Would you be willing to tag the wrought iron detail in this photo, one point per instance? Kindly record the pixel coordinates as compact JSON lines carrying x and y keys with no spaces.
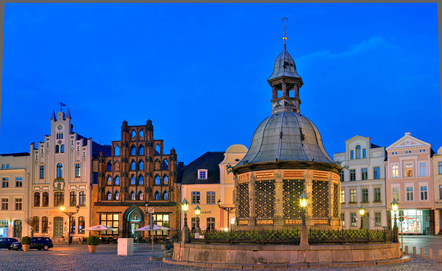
{"x":320,"y":199}
{"x":292,"y":190}
{"x":336,"y":204}
{"x":265,"y":199}
{"x":243,"y":200}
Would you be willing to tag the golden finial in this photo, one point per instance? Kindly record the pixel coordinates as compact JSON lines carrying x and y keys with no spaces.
{"x":284,"y":32}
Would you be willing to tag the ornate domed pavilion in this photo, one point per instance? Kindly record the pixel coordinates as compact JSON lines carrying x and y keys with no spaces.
{"x":286,"y":157}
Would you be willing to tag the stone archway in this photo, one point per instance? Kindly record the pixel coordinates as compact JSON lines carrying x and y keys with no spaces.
{"x":133,"y":218}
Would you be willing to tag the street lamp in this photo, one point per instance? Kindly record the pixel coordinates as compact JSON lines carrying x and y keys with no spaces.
{"x":303,"y":203}
{"x":395,"y":206}
{"x":227,"y":209}
{"x":362,"y":213}
{"x":197,"y":213}
{"x":185,"y":208}
{"x":69,"y":214}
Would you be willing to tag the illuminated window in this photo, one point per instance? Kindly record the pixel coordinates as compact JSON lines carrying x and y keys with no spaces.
{"x":395,"y":171}
{"x":111,"y":221}
{"x":352,"y":195}
{"x":342,"y":196}
{"x":409,"y":170}
{"x":81,"y":224}
{"x":396,"y":193}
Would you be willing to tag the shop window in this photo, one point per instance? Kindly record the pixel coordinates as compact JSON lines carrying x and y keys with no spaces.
{"x":72,"y":225}
{"x":111,"y":221}
{"x":161,"y":220}
{"x":81,"y":224}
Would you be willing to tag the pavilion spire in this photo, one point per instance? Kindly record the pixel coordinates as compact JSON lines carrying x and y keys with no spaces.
{"x":284,"y":32}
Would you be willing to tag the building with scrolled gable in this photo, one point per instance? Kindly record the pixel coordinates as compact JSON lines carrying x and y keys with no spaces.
{"x":286,"y":157}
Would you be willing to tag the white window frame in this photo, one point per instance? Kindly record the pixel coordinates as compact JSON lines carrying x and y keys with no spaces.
{"x":399,"y":192}
{"x":424,"y":168}
{"x":205,"y":171}
{"x":406,"y":192}
{"x":393,"y":170}
{"x":420,"y":191}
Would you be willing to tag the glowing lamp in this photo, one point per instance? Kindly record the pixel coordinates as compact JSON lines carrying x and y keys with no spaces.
{"x":361,"y":211}
{"x":395,"y":205}
{"x":303,"y":200}
{"x":62,"y":208}
{"x":197,"y":210}
{"x":185,"y":205}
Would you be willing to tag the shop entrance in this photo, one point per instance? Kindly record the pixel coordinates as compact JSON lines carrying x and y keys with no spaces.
{"x":58,"y":227}
{"x":132,"y":220}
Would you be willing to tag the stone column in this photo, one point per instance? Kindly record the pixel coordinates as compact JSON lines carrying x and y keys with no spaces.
{"x":309,"y":192}
{"x":279,"y":220}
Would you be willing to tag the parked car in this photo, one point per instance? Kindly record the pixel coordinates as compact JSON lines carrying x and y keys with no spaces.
{"x":37,"y":242}
{"x":6,"y":242}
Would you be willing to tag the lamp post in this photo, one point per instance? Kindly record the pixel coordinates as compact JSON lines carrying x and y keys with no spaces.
{"x":185,"y":233}
{"x":303,"y":203}
{"x":69,"y":214}
{"x":227,"y":209}
{"x":361,"y":213}
{"x":394,"y":207}
{"x":197,"y":213}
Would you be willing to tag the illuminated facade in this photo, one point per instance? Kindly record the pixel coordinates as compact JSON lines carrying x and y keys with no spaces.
{"x":362,"y":184}
{"x":437,"y":176}
{"x":206,"y":181}
{"x":61,"y":176}
{"x":286,"y":157}
{"x":14,"y":195}
{"x":410,"y":182}
{"x":137,"y":176}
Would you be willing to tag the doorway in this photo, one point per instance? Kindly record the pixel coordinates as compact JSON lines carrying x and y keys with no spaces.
{"x":17,"y":228}
{"x":58,"y":227}
{"x":133,"y":219}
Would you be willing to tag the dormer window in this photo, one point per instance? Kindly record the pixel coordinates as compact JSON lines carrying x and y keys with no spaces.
{"x":202,"y":174}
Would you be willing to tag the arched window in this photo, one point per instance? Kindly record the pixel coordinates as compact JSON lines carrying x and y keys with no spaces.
{"x":141,"y":151}
{"x":45,"y":199}
{"x":157,"y":149}
{"x":165,"y":195}
{"x":72,"y":225}
{"x":81,"y":224}
{"x":141,"y":133}
{"x":133,"y":166}
{"x":133,"y":133}
{"x":141,"y":180}
{"x":132,"y":195}
{"x":109,"y":180}
{"x":57,"y":148}
{"x":62,"y":148}
{"x":37,"y":199}
{"x":165,"y":164}
{"x":140,"y":195}
{"x":109,"y":195}
{"x":117,"y":151}
{"x":133,"y":150}
{"x":109,"y":166}
{"x":358,"y":152}
{"x":132,"y":180}
{"x":117,"y":180}
{"x":157,"y":180}
{"x":59,"y":170}
{"x":141,"y":165}
{"x":117,"y":195}
{"x":166,"y":180}
{"x":157,"y":195}
{"x":36,"y":223}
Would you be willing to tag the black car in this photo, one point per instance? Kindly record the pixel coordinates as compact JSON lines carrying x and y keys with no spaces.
{"x":6,"y":242}
{"x":37,"y":242}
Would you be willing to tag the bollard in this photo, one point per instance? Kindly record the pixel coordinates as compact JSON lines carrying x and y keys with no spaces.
{"x":440,"y":255}
{"x":406,"y":250}
{"x":414,"y":251}
{"x":430,"y":253}
{"x":422,"y":253}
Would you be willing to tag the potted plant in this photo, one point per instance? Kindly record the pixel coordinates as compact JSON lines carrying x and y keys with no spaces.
{"x":26,"y":243}
{"x":92,"y":242}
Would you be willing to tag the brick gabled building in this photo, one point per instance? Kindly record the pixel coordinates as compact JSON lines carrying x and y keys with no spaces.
{"x":136,"y":176}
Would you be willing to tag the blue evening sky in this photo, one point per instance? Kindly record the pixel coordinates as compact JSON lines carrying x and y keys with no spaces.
{"x":199,"y":71}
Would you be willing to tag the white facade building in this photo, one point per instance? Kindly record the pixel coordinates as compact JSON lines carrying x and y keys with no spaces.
{"x":14,"y":195}
{"x":362,"y":184}
{"x":61,"y":176}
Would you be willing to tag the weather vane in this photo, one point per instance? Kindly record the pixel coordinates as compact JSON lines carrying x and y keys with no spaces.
{"x":284,"y":32}
{"x":61,"y":105}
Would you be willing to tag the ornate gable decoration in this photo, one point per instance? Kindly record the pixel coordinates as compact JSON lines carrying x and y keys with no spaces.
{"x":59,"y":184}
{"x":408,"y":141}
